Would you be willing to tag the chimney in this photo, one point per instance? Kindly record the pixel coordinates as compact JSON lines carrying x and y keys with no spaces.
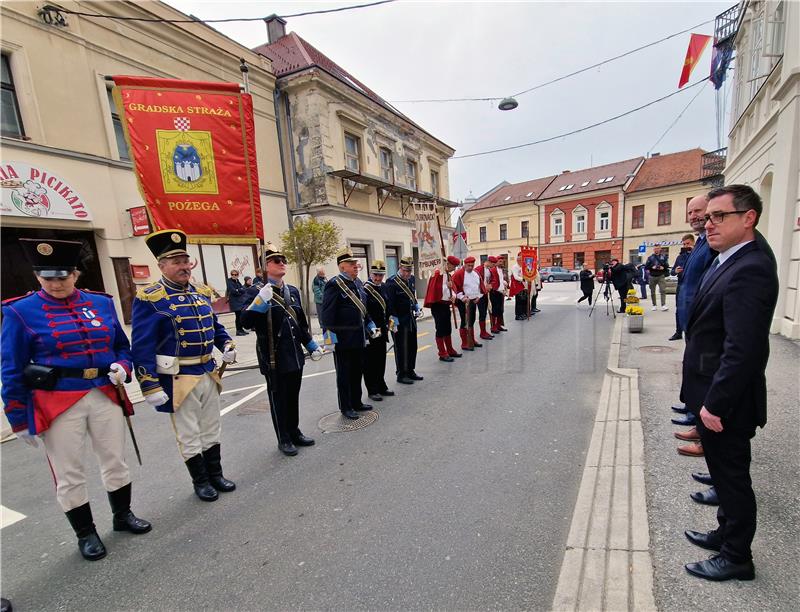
{"x":655,"y":154}
{"x":276,"y":28}
{"x":565,"y":172}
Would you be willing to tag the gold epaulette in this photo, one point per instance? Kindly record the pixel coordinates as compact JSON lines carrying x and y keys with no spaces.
{"x":204,"y":290}
{"x":152,"y":292}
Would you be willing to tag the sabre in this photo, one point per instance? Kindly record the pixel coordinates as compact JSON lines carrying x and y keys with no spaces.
{"x":123,"y":397}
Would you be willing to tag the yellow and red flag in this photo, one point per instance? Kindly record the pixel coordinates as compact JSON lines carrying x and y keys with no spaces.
{"x":193,"y":149}
{"x":697,"y":44}
{"x":530,"y":262}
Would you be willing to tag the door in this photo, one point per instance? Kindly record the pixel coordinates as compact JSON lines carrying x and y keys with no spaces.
{"x":125,"y":286}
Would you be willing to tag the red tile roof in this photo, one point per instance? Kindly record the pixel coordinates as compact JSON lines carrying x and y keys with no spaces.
{"x":583,"y":181}
{"x":511,"y":194}
{"x":670,"y":169}
{"x":291,"y":53}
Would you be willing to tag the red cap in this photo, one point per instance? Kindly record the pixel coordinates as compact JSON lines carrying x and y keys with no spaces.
{"x":452,"y":259}
{"x":469,"y":259}
{"x":492,"y":259}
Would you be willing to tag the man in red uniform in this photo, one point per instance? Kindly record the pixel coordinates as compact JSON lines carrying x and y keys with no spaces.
{"x":439,"y":298}
{"x":497,"y":283}
{"x":468,"y":286}
{"x":484,"y":271}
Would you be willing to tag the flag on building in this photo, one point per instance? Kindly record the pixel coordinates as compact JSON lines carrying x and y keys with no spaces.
{"x":429,"y":243}
{"x":720,"y":60}
{"x":193,"y":150}
{"x":697,"y":44}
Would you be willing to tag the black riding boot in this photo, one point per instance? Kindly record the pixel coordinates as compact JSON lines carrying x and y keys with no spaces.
{"x":214,"y":469}
{"x":124,"y":519}
{"x":88,"y":541}
{"x":202,"y":487}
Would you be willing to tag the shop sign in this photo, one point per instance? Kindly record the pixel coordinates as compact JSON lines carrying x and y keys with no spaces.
{"x":139,"y":221}
{"x":31,"y":191}
{"x":140,"y":271}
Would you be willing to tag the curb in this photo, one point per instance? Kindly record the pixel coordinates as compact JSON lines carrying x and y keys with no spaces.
{"x":607,"y":563}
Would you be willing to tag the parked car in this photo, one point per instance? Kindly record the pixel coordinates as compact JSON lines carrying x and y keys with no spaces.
{"x":672,"y":284}
{"x":555,"y":273}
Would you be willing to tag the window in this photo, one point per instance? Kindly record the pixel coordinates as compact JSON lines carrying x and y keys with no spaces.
{"x":557,"y":260}
{"x":687,"y":209}
{"x":637,"y":217}
{"x":566,"y":187}
{"x":584,"y":183}
{"x":387,"y":166}
{"x":523,"y":230}
{"x":665,"y":213}
{"x":558,"y":226}
{"x":601,"y":258}
{"x":482,"y":234}
{"x":361,"y":253}
{"x":504,"y":231}
{"x":484,"y":258}
{"x":119,"y":132}
{"x":506,"y":199}
{"x":411,"y":175}
{"x":578,"y":259}
{"x":392,"y":260}
{"x":605,"y":221}
{"x":434,"y":182}
{"x":605,"y":180}
{"x":580,"y":223}
{"x":352,"y":152}
{"x":12,"y":120}
{"x":634,"y":257}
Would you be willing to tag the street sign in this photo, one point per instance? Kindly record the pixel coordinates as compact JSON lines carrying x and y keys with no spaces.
{"x":643,"y":248}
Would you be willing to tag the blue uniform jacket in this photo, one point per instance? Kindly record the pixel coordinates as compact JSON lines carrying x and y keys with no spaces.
{"x":378,"y":312}
{"x":400,"y":305}
{"x":79,"y":332}
{"x":340,"y":315}
{"x":169,"y":319}
{"x":699,"y":259}
{"x":289,"y":334}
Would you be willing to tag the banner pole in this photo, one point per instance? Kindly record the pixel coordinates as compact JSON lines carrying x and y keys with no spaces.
{"x":445,"y":274}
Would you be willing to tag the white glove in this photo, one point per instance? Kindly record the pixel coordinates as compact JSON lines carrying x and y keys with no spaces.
{"x":28,"y":438}
{"x":418,"y":313}
{"x":157,"y":399}
{"x":116,"y":374}
{"x":317,"y":354}
{"x":265,"y":293}
{"x":375,"y":332}
{"x":229,"y":355}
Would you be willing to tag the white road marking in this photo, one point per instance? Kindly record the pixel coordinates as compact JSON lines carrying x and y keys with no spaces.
{"x":246,"y":398}
{"x":562,"y":298}
{"x":242,"y":389}
{"x":319,"y":373}
{"x":9,"y":517}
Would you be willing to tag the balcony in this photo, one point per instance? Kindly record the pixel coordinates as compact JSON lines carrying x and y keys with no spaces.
{"x":713,"y":167}
{"x":726,"y":25}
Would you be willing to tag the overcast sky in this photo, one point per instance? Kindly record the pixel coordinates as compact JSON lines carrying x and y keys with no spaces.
{"x":413,"y":49}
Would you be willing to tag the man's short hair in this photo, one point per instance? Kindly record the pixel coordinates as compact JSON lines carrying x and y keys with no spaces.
{"x":744,"y":198}
{"x":688,"y":237}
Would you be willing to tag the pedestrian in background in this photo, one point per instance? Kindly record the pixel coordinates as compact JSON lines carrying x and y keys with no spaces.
{"x":587,"y":284}
{"x":536,"y":287}
{"x":687,"y":244}
{"x":642,"y":279}
{"x":318,"y":287}
{"x":658,"y":267}
{"x":236,"y":297}
{"x":621,"y":275}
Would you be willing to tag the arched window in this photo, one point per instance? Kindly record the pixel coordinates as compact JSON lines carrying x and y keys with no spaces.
{"x":557,"y":225}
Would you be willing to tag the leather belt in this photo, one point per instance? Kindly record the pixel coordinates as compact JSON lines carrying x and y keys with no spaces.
{"x":195,"y":360}
{"x":86,"y":374}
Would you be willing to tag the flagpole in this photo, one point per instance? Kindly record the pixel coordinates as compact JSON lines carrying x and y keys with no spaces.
{"x":444,"y":260}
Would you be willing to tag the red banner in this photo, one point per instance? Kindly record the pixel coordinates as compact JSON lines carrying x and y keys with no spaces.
{"x":697,"y":44}
{"x":530,"y":262}
{"x":194,"y":153}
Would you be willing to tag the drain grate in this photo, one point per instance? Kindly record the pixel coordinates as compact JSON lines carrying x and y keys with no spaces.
{"x":657,"y":349}
{"x":336,"y":422}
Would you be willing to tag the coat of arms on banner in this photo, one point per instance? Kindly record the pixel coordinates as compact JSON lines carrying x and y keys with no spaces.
{"x":529,"y":262}
{"x":186,"y":159}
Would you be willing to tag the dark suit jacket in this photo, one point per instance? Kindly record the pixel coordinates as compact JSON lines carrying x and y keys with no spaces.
{"x":377,"y":313}
{"x":340,"y":315}
{"x":727,"y":340}
{"x":400,"y":305}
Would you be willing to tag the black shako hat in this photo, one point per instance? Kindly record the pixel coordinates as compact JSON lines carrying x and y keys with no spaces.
{"x":52,"y":258}
{"x":167,"y":243}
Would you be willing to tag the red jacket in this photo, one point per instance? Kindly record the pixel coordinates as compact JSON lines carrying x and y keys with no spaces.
{"x":458,"y":280}
{"x":434,"y":293}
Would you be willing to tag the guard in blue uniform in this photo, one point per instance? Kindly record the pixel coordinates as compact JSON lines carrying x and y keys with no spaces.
{"x":401,"y":298}
{"x":375,"y":353}
{"x":64,"y":353}
{"x":174,"y":332}
{"x":276,"y":313}
{"x":347,"y":324}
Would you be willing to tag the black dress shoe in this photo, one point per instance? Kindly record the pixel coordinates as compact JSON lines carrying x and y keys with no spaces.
{"x":387,"y":393}
{"x":91,"y":547}
{"x":477,"y":345}
{"x":708,"y":497}
{"x":242,"y":333}
{"x":719,"y":568}
{"x":405,"y":381}
{"x":680,"y":408}
{"x":5,"y":605}
{"x":302,"y":440}
{"x":350,"y":414}
{"x":130,"y":522}
{"x":376,"y":397}
{"x":415,"y":376}
{"x":689,"y":419}
{"x":536,"y":310}
{"x":709,"y":541}
{"x":703,"y":478}
{"x":363,"y":408}
{"x":288,"y":448}
{"x":676,"y":336}
{"x":446,"y":358}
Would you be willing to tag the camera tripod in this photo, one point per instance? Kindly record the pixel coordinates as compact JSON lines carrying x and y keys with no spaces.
{"x":608,"y":294}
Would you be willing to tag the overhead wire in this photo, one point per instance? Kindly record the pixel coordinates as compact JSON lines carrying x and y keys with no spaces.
{"x":557,"y":79}
{"x":583,"y":129}
{"x":678,"y":118}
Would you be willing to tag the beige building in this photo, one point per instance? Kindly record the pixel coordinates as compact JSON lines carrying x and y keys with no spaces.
{"x":60,"y":127}
{"x":350,"y":156}
{"x":763,"y":147}
{"x":655,"y":203}
{"x":505,"y":219}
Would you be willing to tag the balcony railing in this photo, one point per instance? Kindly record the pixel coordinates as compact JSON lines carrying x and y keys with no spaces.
{"x":713,"y":167}
{"x":725,"y":24}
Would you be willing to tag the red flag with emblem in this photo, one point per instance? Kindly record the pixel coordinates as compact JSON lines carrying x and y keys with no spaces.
{"x":193,"y":149}
{"x":697,"y":44}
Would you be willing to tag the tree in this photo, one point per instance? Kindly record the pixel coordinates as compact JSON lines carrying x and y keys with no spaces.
{"x":310,"y":242}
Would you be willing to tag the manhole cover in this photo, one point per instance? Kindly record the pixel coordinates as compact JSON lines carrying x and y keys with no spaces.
{"x":336,"y":422}
{"x":657,"y":349}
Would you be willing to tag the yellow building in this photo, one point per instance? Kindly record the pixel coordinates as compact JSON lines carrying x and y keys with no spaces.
{"x":504,"y":219}
{"x":350,"y":156}
{"x":60,"y":121}
{"x":655,"y":203}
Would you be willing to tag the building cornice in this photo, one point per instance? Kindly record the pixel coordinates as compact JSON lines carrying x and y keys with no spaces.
{"x":338,"y":210}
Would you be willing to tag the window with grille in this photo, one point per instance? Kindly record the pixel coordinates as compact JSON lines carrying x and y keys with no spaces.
{"x":665,"y":213}
{"x":11,"y":118}
{"x":637,"y":217}
{"x":352,"y":152}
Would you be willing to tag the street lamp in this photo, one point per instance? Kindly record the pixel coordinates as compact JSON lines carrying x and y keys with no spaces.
{"x":507,"y":104}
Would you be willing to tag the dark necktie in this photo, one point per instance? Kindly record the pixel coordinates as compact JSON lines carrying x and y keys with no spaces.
{"x":710,"y":273}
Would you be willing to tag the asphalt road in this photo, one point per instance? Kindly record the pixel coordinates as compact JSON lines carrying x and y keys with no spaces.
{"x":458,"y":497}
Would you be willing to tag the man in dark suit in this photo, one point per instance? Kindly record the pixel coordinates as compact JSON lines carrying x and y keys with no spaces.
{"x":401,"y":299}
{"x":348,"y":325}
{"x":727,"y":350}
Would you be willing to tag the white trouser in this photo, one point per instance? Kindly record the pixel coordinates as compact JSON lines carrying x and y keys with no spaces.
{"x":197,"y":421}
{"x":96,"y":415}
